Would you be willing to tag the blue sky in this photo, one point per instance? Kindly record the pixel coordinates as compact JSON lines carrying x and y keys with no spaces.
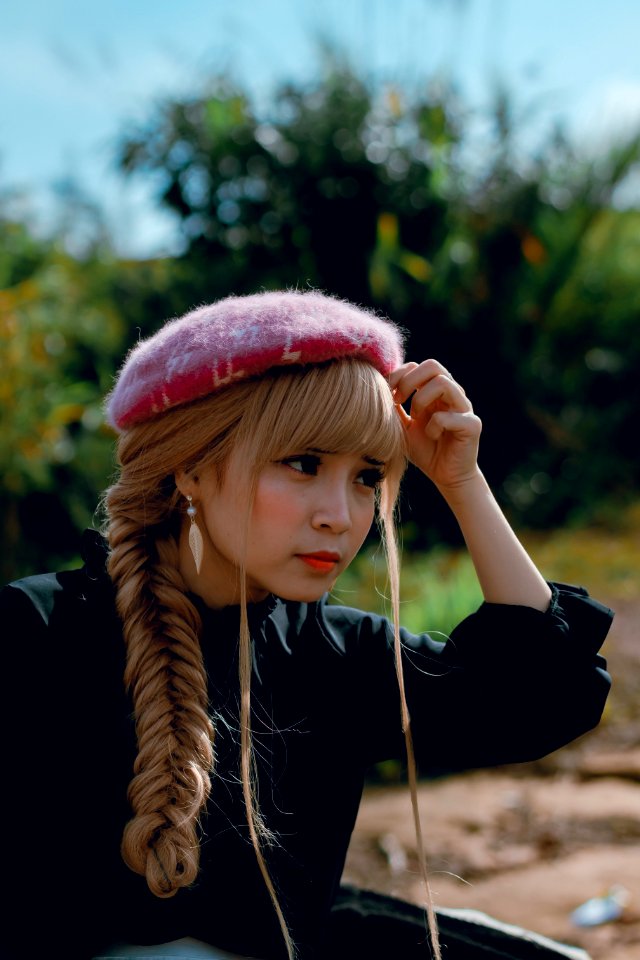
{"x":72,"y":72}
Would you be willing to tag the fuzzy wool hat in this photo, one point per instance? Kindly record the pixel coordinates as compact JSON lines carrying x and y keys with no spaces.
{"x":239,"y":337}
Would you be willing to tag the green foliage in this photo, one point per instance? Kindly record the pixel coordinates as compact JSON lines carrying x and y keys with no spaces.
{"x":20,"y":253}
{"x":291,"y":199}
{"x":439,"y":589}
{"x":63,"y":333}
{"x":602,"y":556}
{"x":520,"y":276}
{"x":57,"y":340}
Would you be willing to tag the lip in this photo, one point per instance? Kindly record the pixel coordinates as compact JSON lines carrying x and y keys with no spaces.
{"x":322,"y":560}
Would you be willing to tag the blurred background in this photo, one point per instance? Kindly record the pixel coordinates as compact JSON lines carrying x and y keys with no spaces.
{"x":470,"y":168}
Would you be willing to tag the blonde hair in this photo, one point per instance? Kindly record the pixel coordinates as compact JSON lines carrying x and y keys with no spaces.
{"x":341,"y":406}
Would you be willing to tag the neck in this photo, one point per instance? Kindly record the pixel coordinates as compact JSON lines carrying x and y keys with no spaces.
{"x":217,"y":584}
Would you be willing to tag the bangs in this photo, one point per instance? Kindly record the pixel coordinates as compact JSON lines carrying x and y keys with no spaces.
{"x":341,"y":407}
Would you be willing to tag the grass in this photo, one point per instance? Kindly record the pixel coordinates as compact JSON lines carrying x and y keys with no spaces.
{"x":439,"y":588}
{"x":604,"y":559}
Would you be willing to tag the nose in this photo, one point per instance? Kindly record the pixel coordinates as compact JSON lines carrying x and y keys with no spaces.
{"x":332,"y":510}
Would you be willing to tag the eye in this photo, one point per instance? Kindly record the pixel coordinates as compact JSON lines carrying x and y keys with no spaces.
{"x":371,"y":477}
{"x":306,"y":464}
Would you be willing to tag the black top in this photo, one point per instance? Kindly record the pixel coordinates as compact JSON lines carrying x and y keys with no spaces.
{"x":511,"y":684}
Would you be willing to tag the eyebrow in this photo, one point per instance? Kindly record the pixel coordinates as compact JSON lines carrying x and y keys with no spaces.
{"x":371,"y":460}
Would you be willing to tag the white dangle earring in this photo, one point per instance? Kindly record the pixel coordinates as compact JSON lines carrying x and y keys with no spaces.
{"x":195,"y":537}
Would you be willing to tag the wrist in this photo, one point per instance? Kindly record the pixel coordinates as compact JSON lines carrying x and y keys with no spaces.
{"x":465,"y":490}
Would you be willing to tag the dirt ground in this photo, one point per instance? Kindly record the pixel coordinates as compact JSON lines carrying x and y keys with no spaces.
{"x":528,"y":843}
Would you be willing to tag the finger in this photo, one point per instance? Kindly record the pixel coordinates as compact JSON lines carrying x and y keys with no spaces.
{"x":466,"y":426}
{"x":440,"y":390}
{"x":401,"y":371}
{"x":414,"y":375}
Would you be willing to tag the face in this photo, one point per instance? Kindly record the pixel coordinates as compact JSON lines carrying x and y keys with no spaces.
{"x":310,"y":516}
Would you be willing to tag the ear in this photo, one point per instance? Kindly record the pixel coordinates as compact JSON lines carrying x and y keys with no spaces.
{"x":187,"y":483}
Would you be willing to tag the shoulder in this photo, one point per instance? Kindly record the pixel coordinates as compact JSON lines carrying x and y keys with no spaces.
{"x":44,"y":600}
{"x":343,"y":630}
{"x":347,"y":631}
{"x":61,"y":630}
{"x":356,"y":630}
{"x":37,"y":593}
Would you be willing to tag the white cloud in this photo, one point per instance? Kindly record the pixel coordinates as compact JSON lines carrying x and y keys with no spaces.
{"x":608,"y":113}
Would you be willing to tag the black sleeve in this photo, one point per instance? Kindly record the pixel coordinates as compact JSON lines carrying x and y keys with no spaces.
{"x":54,"y":831}
{"x":33,"y":842}
{"x":510,"y":685}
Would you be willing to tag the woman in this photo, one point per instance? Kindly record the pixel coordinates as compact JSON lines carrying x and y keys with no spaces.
{"x":207,"y":801}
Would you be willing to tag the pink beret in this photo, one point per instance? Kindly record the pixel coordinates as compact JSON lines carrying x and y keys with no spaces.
{"x":239,"y":337}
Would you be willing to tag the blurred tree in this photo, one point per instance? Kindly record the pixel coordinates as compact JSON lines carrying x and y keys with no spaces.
{"x":384,"y":197}
{"x":292,"y":200}
{"x":341,"y":188}
{"x":519,"y":275}
{"x":549,"y":279}
{"x":62,"y":334}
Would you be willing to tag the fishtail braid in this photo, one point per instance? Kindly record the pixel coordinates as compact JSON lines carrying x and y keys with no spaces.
{"x":167,"y":681}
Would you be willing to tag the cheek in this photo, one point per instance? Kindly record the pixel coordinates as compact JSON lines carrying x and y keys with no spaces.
{"x":365,"y":517}
{"x":224,"y":515}
{"x":276,"y":505}
{"x":364,"y":504}
{"x":223,"y":529}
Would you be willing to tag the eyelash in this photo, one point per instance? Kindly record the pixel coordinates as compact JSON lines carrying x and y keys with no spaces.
{"x":308,"y":462}
{"x":371,"y":476}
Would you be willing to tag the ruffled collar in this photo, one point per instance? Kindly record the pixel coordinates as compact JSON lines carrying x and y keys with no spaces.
{"x":257,"y":612}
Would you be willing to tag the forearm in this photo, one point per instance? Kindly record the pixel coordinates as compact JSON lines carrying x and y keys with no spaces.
{"x":442,"y":434}
{"x":505,"y":571}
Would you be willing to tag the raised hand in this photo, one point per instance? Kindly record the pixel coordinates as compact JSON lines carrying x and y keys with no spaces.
{"x":442,"y":430}
{"x":443,"y":434}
